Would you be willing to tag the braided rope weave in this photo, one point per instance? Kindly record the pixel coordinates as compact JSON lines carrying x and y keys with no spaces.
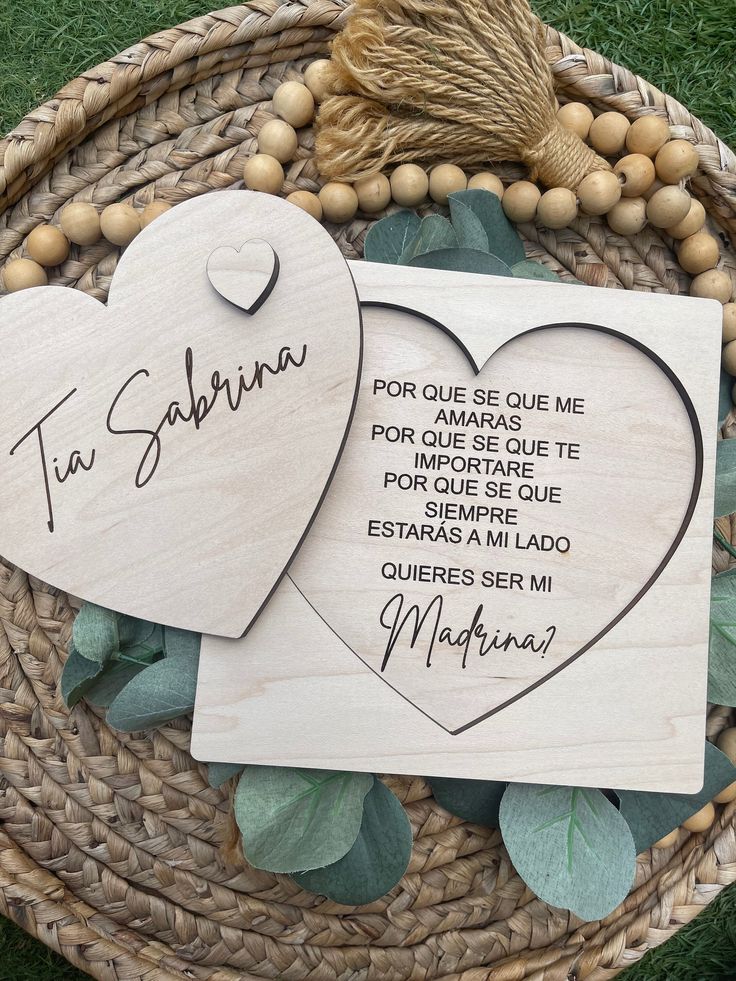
{"x":110,"y":843}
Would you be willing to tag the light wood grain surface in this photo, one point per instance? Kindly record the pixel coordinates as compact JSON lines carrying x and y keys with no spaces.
{"x":183,"y":517}
{"x":331,"y":657}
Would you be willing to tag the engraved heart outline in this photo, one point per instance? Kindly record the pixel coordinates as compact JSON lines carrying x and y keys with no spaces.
{"x":227,"y":268}
{"x":664,"y":562}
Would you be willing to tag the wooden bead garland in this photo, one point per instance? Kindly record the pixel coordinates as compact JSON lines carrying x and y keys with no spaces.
{"x":608,"y":133}
{"x":520,"y":201}
{"x":339,"y":202}
{"x":636,"y":173}
{"x":667,"y":206}
{"x":557,"y":207}
{"x":486,"y":181}
{"x":23,"y":274}
{"x":698,"y":252}
{"x":80,"y":224}
{"x":48,"y":245}
{"x":645,"y":186}
{"x":278,"y":139}
{"x":294,"y":103}
{"x":120,"y":224}
{"x":445,"y":179}
{"x":262,"y":172}
{"x":647,"y":134}
{"x":409,"y":185}
{"x":307,"y":202}
{"x":374,"y":193}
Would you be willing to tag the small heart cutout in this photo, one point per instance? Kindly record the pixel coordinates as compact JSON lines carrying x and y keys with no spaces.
{"x":244,"y":276}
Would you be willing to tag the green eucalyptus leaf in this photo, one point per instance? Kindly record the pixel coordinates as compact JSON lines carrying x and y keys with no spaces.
{"x":182,"y":644}
{"x":473,"y":800}
{"x":725,"y":401}
{"x":219,"y":773}
{"x":95,"y":633}
{"x":163,"y":691}
{"x":722,"y":654}
{"x":435,"y":232}
{"x":528,"y":269}
{"x":725,"y":502}
{"x":135,"y":633}
{"x":503,"y":240}
{"x":570,"y":846}
{"x":111,"y":682}
{"x":651,"y":816}
{"x":77,"y":676}
{"x":468,"y":227}
{"x":298,"y":820}
{"x":462,"y":260}
{"x":377,"y":859}
{"x":388,"y":238}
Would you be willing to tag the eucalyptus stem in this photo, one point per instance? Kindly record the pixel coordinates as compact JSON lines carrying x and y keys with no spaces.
{"x":130,"y":660}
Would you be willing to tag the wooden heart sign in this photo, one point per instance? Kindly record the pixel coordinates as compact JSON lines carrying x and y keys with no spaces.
{"x":165,"y":454}
{"x":513,"y":552}
{"x":464,"y":548}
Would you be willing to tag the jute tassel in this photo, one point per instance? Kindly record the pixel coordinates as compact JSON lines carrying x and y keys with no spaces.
{"x":465,"y":81}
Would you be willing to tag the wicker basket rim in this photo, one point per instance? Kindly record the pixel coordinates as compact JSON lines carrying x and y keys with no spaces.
{"x":70,"y":867}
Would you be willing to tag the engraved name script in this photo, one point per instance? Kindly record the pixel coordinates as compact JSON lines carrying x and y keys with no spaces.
{"x":193,"y":409}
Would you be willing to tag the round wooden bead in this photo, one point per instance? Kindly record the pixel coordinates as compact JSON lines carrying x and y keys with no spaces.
{"x":374,"y":193}
{"x":120,"y":224}
{"x":339,"y":202}
{"x":294,"y":103}
{"x":675,"y":161}
{"x":557,"y":207}
{"x":636,"y":174}
{"x":317,"y":78}
{"x":520,"y":201}
{"x":713,"y":284}
{"x":669,"y":840}
{"x":80,"y":223}
{"x":409,"y":185}
{"x":628,"y":216}
{"x":153,"y":211}
{"x":647,"y":134}
{"x":262,"y":172}
{"x":667,"y":206}
{"x":729,"y":322}
{"x":702,"y":819}
{"x":445,"y":179}
{"x":728,"y":360}
{"x":307,"y":202}
{"x":726,"y":742}
{"x":608,"y":133}
{"x":698,"y":252}
{"x":22,"y":274}
{"x":577,"y":117}
{"x":485,"y":181}
{"x":655,"y":186}
{"x":278,"y":139}
{"x":726,"y":795}
{"x":599,"y":191}
{"x":48,"y":245}
{"x":691,"y":223}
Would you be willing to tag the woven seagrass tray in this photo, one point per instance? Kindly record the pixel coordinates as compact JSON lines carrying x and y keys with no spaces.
{"x":110,"y":844}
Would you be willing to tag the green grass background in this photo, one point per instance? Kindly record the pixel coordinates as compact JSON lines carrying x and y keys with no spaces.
{"x":686,"y":47}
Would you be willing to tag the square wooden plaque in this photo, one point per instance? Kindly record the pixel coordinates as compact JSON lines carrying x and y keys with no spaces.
{"x":509,"y":577}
